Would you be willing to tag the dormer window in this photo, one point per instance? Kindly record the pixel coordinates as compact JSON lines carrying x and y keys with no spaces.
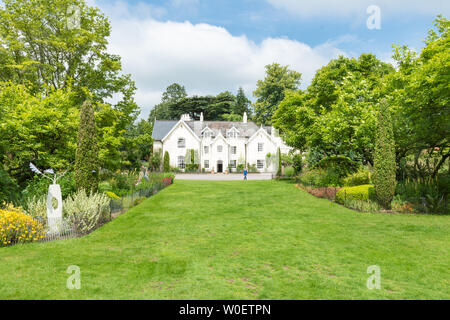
{"x":207,"y":133}
{"x":233,"y":133}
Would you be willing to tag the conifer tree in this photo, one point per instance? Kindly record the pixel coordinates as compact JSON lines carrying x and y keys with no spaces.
{"x":384,"y":176}
{"x":86,"y":158}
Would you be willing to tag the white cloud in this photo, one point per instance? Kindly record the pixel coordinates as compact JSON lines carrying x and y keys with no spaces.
{"x":206,"y":59}
{"x":180,"y":3}
{"x":347,"y":8}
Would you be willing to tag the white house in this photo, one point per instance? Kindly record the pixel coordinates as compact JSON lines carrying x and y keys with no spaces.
{"x":218,"y":145}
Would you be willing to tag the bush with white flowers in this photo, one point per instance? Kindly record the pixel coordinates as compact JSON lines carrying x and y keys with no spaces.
{"x":85,"y":210}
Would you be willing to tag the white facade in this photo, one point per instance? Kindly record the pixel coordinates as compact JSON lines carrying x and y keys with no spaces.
{"x":218,"y":146}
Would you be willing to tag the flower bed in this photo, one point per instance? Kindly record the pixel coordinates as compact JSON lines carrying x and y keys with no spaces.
{"x":17,"y":227}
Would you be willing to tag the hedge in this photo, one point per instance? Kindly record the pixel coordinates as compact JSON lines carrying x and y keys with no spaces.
{"x":364,"y":192}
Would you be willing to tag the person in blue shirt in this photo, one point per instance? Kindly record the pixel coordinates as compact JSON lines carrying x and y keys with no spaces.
{"x":245,"y":174}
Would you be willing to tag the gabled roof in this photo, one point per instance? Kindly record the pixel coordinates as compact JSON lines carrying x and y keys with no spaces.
{"x":162,"y":128}
{"x":263,"y":131}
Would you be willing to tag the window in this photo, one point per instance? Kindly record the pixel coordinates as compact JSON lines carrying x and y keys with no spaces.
{"x":260,"y":164}
{"x":205,"y":149}
{"x":260,"y":147}
{"x":181,"y":162}
{"x":232,"y":133}
{"x":181,"y":143}
{"x":206,"y":164}
{"x":233,"y":164}
{"x":219,"y":148}
{"x":207,"y":134}
{"x":233,"y":150}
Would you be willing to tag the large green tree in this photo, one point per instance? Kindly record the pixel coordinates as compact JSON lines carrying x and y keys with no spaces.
{"x":271,"y":91}
{"x":36,"y":127}
{"x":419,"y":93}
{"x":163,"y":111}
{"x":336,"y":115}
{"x":46,"y":50}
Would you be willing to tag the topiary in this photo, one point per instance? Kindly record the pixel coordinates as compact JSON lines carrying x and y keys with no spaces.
{"x":384,"y":175}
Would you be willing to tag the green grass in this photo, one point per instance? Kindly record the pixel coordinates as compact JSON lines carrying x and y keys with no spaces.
{"x":238,"y":240}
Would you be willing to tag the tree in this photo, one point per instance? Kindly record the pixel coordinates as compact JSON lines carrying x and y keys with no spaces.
{"x":162,"y":111}
{"x":174,"y":93}
{"x":137,"y":145}
{"x":86,"y":159}
{"x":271,"y":91}
{"x":384,"y":175}
{"x":44,"y":45}
{"x":155,"y":161}
{"x":335,"y":115}
{"x":36,"y":128}
{"x":166,"y":162}
{"x":279,"y":170}
{"x":243,"y":104}
{"x":44,"y":50}
{"x":420,"y":98}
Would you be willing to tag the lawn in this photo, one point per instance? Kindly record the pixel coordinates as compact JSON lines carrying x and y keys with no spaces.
{"x":239,"y":240}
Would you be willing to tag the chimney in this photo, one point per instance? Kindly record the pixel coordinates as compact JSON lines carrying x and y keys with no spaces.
{"x":201,"y":117}
{"x":186,"y":117}
{"x":245,"y":117}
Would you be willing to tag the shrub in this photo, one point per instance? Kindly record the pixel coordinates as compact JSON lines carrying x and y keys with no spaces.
{"x":384,"y":175}
{"x":166,"y":162}
{"x":340,"y":165}
{"x":364,"y":192}
{"x":104,"y":187}
{"x":426,"y":195}
{"x":358,"y":178}
{"x":297,"y":163}
{"x":252,"y":168}
{"x":362,"y":205}
{"x":289,"y":172}
{"x":17,"y":227}
{"x":192,"y":167}
{"x":86,"y":211}
{"x":321,"y":178}
{"x":112,"y":195}
{"x":37,"y":207}
{"x":155,"y":161}
{"x":8,"y":188}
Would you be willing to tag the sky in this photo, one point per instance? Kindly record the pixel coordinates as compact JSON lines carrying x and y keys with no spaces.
{"x":211,"y":46}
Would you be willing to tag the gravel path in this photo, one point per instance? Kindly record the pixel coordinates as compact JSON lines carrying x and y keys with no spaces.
{"x":223,"y":177}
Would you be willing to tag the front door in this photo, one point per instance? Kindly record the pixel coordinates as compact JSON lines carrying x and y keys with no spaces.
{"x":219,"y":166}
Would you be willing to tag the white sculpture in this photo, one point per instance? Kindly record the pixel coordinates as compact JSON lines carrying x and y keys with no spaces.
{"x":54,"y":215}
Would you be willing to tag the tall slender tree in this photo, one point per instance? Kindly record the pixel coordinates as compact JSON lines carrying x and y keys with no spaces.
{"x":243,"y":104}
{"x":384,"y":176}
{"x":86,"y":158}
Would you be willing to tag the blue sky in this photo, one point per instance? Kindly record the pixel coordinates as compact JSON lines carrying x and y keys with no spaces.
{"x":213,"y":46}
